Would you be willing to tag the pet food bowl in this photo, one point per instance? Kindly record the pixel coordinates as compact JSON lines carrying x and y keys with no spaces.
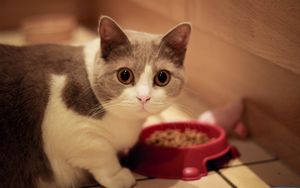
{"x":186,"y":163}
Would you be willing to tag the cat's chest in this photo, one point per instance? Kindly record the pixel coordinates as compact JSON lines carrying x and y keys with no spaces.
{"x":123,"y":134}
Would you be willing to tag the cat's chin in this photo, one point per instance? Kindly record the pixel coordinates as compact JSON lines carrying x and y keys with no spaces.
{"x":142,"y":113}
{"x":146,"y":113}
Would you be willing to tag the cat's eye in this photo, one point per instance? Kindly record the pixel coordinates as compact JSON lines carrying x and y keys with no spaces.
{"x":125,"y":76}
{"x":162,"y":78}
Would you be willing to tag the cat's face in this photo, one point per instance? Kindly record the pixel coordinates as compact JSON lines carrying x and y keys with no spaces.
{"x":139,"y":74}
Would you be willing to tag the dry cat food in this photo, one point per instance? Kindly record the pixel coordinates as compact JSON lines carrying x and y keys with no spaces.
{"x":177,"y":138}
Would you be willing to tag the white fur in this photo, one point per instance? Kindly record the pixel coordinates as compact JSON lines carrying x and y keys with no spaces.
{"x":90,"y":51}
{"x":72,"y":141}
{"x":144,"y":85}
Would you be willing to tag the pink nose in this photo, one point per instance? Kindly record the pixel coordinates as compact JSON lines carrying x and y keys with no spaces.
{"x":143,"y":99}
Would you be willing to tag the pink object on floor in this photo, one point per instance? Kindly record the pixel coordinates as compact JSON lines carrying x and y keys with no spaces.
{"x":228,"y":117}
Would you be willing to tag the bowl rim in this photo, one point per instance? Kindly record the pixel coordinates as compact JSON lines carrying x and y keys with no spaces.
{"x":216,"y":127}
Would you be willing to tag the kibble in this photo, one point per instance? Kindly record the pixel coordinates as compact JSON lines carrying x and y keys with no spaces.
{"x":177,"y":139}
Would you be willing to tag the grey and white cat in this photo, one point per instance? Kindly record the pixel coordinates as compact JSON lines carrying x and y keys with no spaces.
{"x":67,"y":111}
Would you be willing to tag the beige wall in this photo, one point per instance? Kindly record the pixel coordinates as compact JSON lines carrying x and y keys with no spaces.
{"x":12,"y":12}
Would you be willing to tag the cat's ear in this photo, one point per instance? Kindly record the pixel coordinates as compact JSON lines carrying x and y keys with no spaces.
{"x":177,"y":39}
{"x":111,"y":35}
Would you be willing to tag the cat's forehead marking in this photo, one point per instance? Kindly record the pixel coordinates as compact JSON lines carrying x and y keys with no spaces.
{"x":144,"y":48}
{"x":135,"y":56}
{"x":144,"y":84}
{"x":150,"y":44}
{"x":143,"y":53}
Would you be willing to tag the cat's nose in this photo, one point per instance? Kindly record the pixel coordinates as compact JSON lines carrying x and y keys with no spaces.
{"x":143,"y":99}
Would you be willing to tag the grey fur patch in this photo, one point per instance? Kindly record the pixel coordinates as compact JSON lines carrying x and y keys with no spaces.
{"x":24,"y":92}
{"x":174,"y":56}
{"x":23,"y":99}
{"x":107,"y":86}
{"x":177,"y":76}
{"x":81,"y":99}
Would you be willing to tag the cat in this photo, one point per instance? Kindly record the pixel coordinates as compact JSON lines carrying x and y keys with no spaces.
{"x":67,"y":111}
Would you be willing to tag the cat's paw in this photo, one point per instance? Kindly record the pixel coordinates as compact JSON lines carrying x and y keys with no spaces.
{"x":123,"y":179}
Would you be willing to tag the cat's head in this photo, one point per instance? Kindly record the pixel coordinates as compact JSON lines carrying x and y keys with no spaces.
{"x":138,"y":74}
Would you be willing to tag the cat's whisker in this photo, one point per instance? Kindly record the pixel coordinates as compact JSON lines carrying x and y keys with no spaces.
{"x":96,"y":111}
{"x":101,"y":109}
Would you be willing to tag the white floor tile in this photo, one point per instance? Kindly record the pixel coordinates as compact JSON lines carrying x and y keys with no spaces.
{"x":243,"y":177}
{"x":213,"y":180}
{"x":250,"y":152}
{"x":276,"y":174}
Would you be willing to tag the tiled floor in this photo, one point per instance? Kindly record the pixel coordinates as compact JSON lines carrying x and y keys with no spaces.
{"x":254,"y":169}
{"x":211,"y":180}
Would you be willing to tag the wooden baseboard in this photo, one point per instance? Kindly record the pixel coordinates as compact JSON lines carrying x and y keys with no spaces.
{"x":273,"y":136}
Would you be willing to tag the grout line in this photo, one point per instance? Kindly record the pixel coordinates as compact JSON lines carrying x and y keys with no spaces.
{"x":226,"y":179}
{"x":146,"y":178}
{"x":92,"y":185}
{"x":251,"y":163}
{"x":284,"y":186}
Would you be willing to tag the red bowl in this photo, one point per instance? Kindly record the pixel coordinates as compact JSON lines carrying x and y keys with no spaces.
{"x":188,"y":163}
